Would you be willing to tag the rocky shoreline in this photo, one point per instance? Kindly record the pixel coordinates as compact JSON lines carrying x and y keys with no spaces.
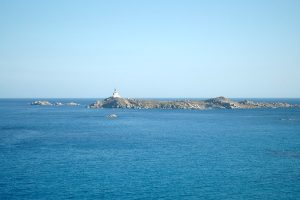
{"x":214,"y":103}
{"x":47,"y":103}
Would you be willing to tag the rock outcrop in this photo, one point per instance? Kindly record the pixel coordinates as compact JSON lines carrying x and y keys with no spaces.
{"x":72,"y":104}
{"x":112,"y":102}
{"x":58,"y":104}
{"x":213,"y":103}
{"x":47,"y":103}
{"x":252,"y":104}
{"x":112,"y":116}
{"x":217,"y":103}
{"x":222,"y":102}
{"x":41,"y":103}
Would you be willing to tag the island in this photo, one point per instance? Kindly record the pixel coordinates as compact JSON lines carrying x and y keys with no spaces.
{"x":47,"y":103}
{"x":116,"y":101}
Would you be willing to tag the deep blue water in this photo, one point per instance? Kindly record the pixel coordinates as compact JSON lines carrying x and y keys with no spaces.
{"x":77,"y":153}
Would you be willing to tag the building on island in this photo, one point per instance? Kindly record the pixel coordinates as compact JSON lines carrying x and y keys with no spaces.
{"x":116,"y":94}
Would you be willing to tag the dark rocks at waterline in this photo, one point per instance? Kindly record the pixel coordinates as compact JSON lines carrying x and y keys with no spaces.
{"x":222,"y":102}
{"x":47,"y":103}
{"x":112,"y":102}
{"x":41,"y":103}
{"x":253,"y":104}
{"x":213,"y":103}
{"x":58,"y":104}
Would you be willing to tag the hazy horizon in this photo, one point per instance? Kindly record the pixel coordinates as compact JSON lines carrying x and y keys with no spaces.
{"x":136,"y":97}
{"x":155,"y":49}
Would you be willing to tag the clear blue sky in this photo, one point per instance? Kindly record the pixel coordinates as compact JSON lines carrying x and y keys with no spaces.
{"x":152,"y":48}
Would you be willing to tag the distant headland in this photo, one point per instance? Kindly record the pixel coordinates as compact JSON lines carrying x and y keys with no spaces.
{"x":116,"y":101}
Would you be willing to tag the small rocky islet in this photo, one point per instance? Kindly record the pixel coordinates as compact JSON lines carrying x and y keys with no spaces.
{"x":116,"y":101}
{"x":47,"y":103}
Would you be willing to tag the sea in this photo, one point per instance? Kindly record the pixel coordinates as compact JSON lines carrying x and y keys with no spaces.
{"x":62,"y":152}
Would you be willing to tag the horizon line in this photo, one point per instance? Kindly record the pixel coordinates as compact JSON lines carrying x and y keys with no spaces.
{"x":150,"y":97}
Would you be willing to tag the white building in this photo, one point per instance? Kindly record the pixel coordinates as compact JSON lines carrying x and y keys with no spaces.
{"x":116,"y":94}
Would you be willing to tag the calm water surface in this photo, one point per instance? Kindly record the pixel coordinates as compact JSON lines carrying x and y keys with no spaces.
{"x":77,"y":153}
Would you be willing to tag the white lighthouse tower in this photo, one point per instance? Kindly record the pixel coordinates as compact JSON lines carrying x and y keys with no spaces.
{"x":116,"y":94}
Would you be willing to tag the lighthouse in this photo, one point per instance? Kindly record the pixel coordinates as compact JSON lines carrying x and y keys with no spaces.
{"x":116,"y":94}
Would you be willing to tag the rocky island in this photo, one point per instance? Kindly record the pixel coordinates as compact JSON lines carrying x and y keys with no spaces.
{"x":116,"y":101}
{"x":47,"y":103}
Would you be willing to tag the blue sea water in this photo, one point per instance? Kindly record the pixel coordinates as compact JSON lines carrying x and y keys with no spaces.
{"x":77,"y":153}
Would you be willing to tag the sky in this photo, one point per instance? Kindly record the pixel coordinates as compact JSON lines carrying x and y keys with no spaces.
{"x":157,"y":48}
